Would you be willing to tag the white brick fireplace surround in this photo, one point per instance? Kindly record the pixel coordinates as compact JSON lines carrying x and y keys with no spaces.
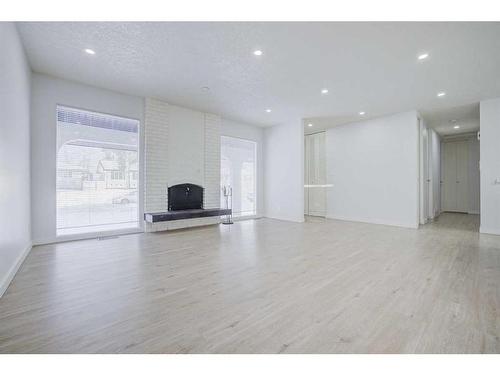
{"x":181,"y":146}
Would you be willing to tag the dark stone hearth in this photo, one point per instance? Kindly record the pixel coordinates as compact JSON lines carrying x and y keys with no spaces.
{"x":185,"y":214}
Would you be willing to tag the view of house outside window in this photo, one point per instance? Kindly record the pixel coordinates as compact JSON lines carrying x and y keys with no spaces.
{"x":97,"y":172}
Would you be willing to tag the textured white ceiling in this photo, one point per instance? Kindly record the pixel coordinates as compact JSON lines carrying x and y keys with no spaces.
{"x":366,"y":66}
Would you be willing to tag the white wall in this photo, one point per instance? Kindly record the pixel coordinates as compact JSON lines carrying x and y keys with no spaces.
{"x":373,"y":166}
{"x":47,"y":92}
{"x":15,"y":227}
{"x":284,"y":171}
{"x":186,"y":131}
{"x":245,"y":131}
{"x":490,"y":166}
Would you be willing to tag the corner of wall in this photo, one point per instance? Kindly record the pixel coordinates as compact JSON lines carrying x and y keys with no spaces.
{"x":15,"y":143}
{"x":5,"y":282}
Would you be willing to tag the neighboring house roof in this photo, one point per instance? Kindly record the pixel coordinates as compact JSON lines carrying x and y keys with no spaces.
{"x":109,"y":165}
{"x":112,"y":165}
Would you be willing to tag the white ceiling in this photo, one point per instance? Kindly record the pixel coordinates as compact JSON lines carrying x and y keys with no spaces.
{"x":366,"y":66}
{"x":443,"y":120}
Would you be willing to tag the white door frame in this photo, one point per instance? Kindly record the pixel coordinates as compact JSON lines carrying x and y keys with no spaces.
{"x":425,"y":185}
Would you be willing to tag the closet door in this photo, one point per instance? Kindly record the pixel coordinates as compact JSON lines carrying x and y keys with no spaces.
{"x":315,"y":191}
{"x":317,"y":173}
{"x":455,"y":187}
{"x":462,"y":183}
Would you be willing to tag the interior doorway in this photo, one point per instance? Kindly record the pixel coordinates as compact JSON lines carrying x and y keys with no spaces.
{"x":460,"y":190}
{"x":425,"y":180}
{"x":449,"y":157}
{"x":430,"y":154}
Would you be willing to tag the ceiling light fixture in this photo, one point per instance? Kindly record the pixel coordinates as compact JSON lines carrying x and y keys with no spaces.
{"x":441,"y":94}
{"x":324,"y":91}
{"x":268,"y":110}
{"x":89,"y":51}
{"x":423,"y":56}
{"x":362,"y":113}
{"x":456,"y":127}
{"x":258,"y":52}
{"x":206,"y":88}
{"x":309,"y":125}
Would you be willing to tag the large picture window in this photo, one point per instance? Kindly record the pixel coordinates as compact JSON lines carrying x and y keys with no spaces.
{"x":239,"y":171}
{"x":97,"y":169}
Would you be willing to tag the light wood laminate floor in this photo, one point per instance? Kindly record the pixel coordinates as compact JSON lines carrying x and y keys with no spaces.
{"x":262,"y":286}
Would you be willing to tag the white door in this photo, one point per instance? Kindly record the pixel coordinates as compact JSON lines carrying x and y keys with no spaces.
{"x":455,"y":176}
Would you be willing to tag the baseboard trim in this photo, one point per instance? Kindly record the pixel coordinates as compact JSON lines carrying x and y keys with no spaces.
{"x":86,"y":236}
{"x":374,"y":221}
{"x":13,"y":270}
{"x":243,"y":218}
{"x":284,"y":218}
{"x":473,"y":212}
{"x":484,"y":230}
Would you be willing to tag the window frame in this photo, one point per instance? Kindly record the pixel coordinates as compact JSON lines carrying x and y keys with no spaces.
{"x":256,"y":176}
{"x":140,"y":177}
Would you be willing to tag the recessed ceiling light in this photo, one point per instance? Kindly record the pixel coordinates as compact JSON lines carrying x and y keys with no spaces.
{"x":456,"y":127}
{"x":89,"y":51}
{"x":362,"y":113}
{"x":423,"y":56}
{"x":268,"y":110}
{"x":206,"y":88}
{"x":440,"y":94}
{"x":257,"y":52}
{"x":324,"y":91}
{"x":309,"y":125}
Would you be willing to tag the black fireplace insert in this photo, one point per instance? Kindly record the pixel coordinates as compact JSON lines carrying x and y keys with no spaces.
{"x":185,"y":197}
